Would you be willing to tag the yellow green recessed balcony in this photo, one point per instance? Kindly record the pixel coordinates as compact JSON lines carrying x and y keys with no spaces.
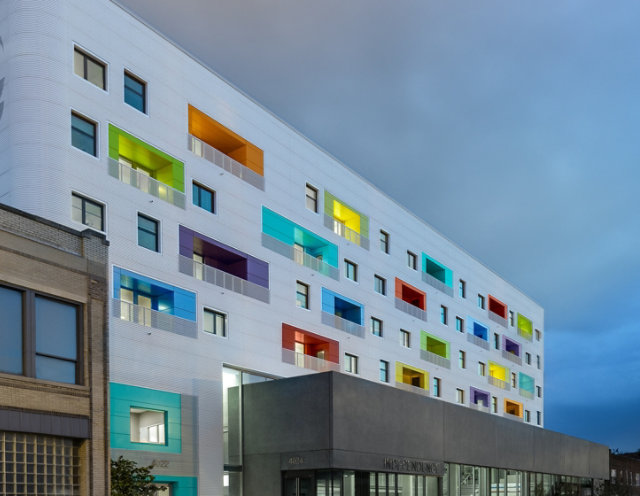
{"x":434,"y":350}
{"x":412,"y":378}
{"x":346,"y":221}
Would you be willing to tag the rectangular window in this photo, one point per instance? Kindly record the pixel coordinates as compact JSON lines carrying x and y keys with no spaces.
{"x":89,"y":68}
{"x":539,"y":418}
{"x":514,"y":379}
{"x":83,"y":134}
{"x":459,"y":324}
{"x":302,"y":295}
{"x":481,"y":301}
{"x":412,"y":260}
{"x":511,"y":318}
{"x":494,"y":404}
{"x":135,"y":92}
{"x":350,"y":363}
{"x":147,"y":426}
{"x":462,"y":359}
{"x":460,"y":396}
{"x":444,"y":317}
{"x":482,"y":369}
{"x":384,"y":241}
{"x":350,"y":270}
{"x":538,"y":391}
{"x":148,"y":229}
{"x":436,"y":387}
{"x":384,"y":371}
{"x":527,"y":358}
{"x":405,"y":338}
{"x":496,"y":340}
{"x":376,"y":327}
{"x":87,"y":212}
{"x":379,"y":284}
{"x":462,"y":289}
{"x":527,"y":416}
{"x":538,"y":361}
{"x":311,"y":195}
{"x":204,"y":197}
{"x":215,"y":322}
{"x":538,"y":335}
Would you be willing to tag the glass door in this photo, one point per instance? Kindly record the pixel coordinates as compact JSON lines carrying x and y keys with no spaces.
{"x":298,"y":485}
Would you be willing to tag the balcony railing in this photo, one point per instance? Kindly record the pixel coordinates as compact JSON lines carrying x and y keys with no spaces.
{"x":343,"y":324}
{"x":347,"y":233}
{"x":499,"y":383}
{"x":496,"y":318}
{"x":412,"y":389}
{"x":511,"y":416}
{"x":152,"y":318}
{"x":527,"y":335}
{"x":478,"y":341}
{"x":429,"y":356}
{"x":299,"y":256}
{"x":437,"y":283}
{"x":146,"y":183}
{"x":526,"y":394}
{"x":480,"y":407}
{"x":216,"y":157}
{"x":308,"y":361}
{"x":511,"y":357}
{"x":223,"y":279}
{"x":412,"y":310}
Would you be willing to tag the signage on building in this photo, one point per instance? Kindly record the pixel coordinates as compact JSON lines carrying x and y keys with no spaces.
{"x":406,"y":465}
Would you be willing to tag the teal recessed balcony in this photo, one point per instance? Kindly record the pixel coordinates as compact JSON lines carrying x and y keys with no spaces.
{"x":437,"y":275}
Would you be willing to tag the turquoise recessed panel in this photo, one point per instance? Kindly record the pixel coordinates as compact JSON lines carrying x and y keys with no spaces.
{"x":437,"y":270}
{"x":290,"y":233}
{"x":125,"y":397}
{"x":180,"y":486}
{"x":527,"y":382}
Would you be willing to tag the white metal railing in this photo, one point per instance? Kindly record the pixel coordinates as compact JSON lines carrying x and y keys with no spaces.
{"x":511,"y":357}
{"x":526,"y":394}
{"x":412,"y":389}
{"x":152,"y":318}
{"x":429,"y":356}
{"x":413,"y":310}
{"x":478,"y":341}
{"x":216,"y":157}
{"x":143,"y":182}
{"x":511,"y":416}
{"x":223,"y":279}
{"x":499,"y":383}
{"x":437,"y":283}
{"x":299,"y":256}
{"x":308,"y":361}
{"x":343,"y":324}
{"x":480,"y":407}
{"x":496,"y":318}
{"x":347,"y":233}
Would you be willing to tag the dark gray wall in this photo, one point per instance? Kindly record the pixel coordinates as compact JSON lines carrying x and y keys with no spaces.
{"x":333,"y":420}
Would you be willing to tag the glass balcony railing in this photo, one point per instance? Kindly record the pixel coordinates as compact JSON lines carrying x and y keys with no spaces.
{"x":512,"y":357}
{"x":343,"y":324}
{"x":308,"y":361}
{"x":478,"y":341}
{"x":347,"y":233}
{"x":146,"y":183}
{"x":299,"y":256}
{"x":497,"y":318}
{"x":499,"y":383}
{"x":437,"y":283}
{"x":479,"y":406}
{"x":411,"y":309}
{"x":435,"y":358}
{"x":526,"y":394}
{"x":147,"y":317}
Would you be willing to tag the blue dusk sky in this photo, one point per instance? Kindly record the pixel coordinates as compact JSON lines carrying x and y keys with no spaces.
{"x":513,"y":128}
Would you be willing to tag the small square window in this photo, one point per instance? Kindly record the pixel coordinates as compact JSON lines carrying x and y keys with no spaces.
{"x":350,"y":363}
{"x":83,"y":134}
{"x":89,"y":68}
{"x":215,"y":322}
{"x":460,"y":396}
{"x":436,"y":387}
{"x":384,"y":371}
{"x":459,"y":324}
{"x":538,"y":391}
{"x":462,"y":359}
{"x":511,"y":318}
{"x":311,"y":194}
{"x":481,"y":301}
{"x":302,"y":295}
{"x":204,"y":197}
{"x":444,"y":317}
{"x":380,"y":284}
{"x":538,"y":335}
{"x":350,"y":270}
{"x":462,"y":289}
{"x":384,"y":241}
{"x":527,"y":358}
{"x":405,"y":338}
{"x":148,"y":426}
{"x":412,"y":260}
{"x":148,"y":233}
{"x":135,"y":92}
{"x":376,"y":327}
{"x":87,"y":212}
{"x":482,"y":369}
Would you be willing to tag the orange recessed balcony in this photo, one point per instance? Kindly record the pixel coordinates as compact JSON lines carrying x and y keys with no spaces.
{"x":309,"y":350}
{"x":497,"y":310}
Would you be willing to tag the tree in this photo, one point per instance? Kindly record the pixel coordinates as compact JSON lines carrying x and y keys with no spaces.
{"x":127,"y":479}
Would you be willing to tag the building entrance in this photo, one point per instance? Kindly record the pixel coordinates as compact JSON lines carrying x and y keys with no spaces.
{"x":299,"y":484}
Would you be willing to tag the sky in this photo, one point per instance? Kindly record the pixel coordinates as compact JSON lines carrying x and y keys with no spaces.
{"x":513,"y":128}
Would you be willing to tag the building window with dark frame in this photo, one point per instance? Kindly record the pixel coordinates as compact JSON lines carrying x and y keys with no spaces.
{"x":494,"y":404}
{"x":311,"y":198}
{"x":405,"y":338}
{"x":87,"y":212}
{"x":527,"y":358}
{"x":384,"y":371}
{"x":384,"y":241}
{"x":481,"y":303}
{"x":215,"y":322}
{"x":302,"y":295}
{"x":459,"y":324}
{"x":376,"y":327}
{"x":460,"y":396}
{"x":462,"y":289}
{"x":412,"y":260}
{"x":444,"y":315}
{"x":538,"y":391}
{"x":148,"y":233}
{"x":350,"y":363}
{"x":511,"y":318}
{"x":204,"y":197}
{"x":482,"y":369}
{"x":135,"y":92}
{"x":462,"y":359}
{"x":539,"y":418}
{"x":89,"y":68}
{"x":83,"y":134}
{"x":538,"y":335}
{"x":436,"y":387}
{"x":379,"y":284}
{"x":350,"y":270}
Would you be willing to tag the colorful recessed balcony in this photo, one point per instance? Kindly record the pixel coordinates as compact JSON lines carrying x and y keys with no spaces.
{"x":304,"y":247}
{"x":526,"y":385}
{"x":513,"y":410}
{"x":146,"y":168}
{"x":434,"y":350}
{"x":346,"y":221}
{"x":478,"y":333}
{"x":211,"y":261}
{"x":479,"y":399}
{"x":511,"y":350}
{"x":498,"y":376}
{"x":222,"y":147}
{"x":411,"y":300}
{"x":437,"y":275}
{"x":412,"y":379}
{"x":525,"y":327}
{"x":308,"y":350}
{"x":342,"y":313}
{"x":497,"y":311}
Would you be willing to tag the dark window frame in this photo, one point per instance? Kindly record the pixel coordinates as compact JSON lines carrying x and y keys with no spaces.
{"x":195,"y":185}
{"x":128,"y":75}
{"x":86,"y":57}
{"x":225,"y":321}
{"x":86,"y":200}
{"x":75,"y":129}
{"x":157,"y":233}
